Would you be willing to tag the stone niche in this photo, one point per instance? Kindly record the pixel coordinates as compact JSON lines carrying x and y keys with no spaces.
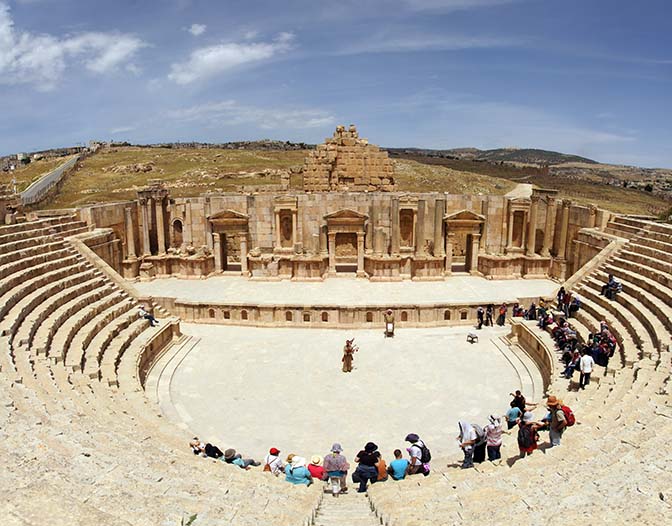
{"x":346,"y":230}
{"x":347,"y":163}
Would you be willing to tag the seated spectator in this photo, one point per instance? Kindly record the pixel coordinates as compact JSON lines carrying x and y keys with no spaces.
{"x":205,"y":450}
{"x":512,"y":415}
{"x":297,"y":472}
{"x":316,"y":469}
{"x":273,"y":463}
{"x":531,"y":313}
{"x":611,"y":288}
{"x":572,"y":365}
{"x":231,"y":457}
{"x":337,"y":466}
{"x":417,"y":464}
{"x":144,"y":313}
{"x":381,"y":466}
{"x":398,"y":467}
{"x":366,"y":469}
{"x":574,"y":306}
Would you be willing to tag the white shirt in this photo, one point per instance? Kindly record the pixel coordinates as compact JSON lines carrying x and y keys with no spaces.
{"x":274,"y":463}
{"x":587,"y":363}
{"x":416,"y":453}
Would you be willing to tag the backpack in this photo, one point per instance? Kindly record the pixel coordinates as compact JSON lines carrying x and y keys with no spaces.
{"x":526,"y":437}
{"x":569,"y":416}
{"x":425,"y":454}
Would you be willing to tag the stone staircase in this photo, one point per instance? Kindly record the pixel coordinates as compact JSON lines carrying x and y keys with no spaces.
{"x":350,"y":508}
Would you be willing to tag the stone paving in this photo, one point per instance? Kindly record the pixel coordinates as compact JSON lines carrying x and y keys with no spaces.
{"x":345,"y":291}
{"x":253,"y":388}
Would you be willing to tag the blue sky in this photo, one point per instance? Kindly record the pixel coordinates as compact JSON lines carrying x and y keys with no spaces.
{"x":591,"y":77}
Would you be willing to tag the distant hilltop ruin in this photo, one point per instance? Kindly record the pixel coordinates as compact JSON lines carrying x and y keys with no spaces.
{"x":347,"y":163}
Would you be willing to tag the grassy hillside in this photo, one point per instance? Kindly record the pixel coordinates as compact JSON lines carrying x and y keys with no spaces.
{"x":115,"y":174}
{"x":25,"y":175}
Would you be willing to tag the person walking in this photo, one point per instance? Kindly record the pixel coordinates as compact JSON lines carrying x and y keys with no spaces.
{"x":467,"y":439}
{"x":480,"y":314}
{"x":493,"y":437}
{"x":489,"y":313}
{"x":586,"y":365}
{"x":501,"y":319}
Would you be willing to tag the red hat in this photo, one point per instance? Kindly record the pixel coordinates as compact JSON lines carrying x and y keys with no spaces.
{"x":274,"y":451}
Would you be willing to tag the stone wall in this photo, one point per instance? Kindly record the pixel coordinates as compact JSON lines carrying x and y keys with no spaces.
{"x":346,"y":162}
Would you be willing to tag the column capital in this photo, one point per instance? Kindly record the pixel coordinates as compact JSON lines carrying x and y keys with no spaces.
{"x":566,"y":203}
{"x":535,"y":198}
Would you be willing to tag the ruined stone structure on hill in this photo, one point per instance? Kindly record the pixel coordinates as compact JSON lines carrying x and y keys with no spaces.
{"x":347,"y":163}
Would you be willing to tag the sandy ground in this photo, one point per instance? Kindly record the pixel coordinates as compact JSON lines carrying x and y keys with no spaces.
{"x":253,"y":388}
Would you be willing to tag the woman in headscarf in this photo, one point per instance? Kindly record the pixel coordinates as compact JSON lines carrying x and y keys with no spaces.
{"x":297,"y":472}
{"x":493,"y":436}
{"x":467,"y":439}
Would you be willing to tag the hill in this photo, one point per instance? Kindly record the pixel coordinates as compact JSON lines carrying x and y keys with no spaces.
{"x":530,"y":156}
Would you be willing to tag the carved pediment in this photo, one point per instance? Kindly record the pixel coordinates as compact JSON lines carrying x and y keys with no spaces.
{"x":464,"y":215}
{"x":346,"y":214}
{"x":228,"y":214}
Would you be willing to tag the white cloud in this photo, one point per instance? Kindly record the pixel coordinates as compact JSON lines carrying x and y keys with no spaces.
{"x":396,"y":43}
{"x":121,"y":129}
{"x":197,"y":29}
{"x":231,"y":113}
{"x":26,"y":58}
{"x":209,"y":61}
{"x":452,"y":5}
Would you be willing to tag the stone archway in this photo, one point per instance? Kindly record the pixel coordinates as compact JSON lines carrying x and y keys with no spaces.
{"x":463,"y":235}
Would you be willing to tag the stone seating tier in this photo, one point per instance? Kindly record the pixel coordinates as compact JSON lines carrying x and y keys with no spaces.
{"x":103,"y":454}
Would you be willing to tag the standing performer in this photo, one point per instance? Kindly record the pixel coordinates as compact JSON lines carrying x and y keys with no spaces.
{"x":389,"y":323}
{"x":348,"y":354}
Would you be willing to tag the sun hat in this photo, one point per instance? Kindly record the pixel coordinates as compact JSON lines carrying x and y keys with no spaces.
{"x":298,"y":462}
{"x":370,"y":447}
{"x":316,"y":460}
{"x":389,"y":311}
{"x":290,"y":457}
{"x":412,"y":437}
{"x":336,"y":448}
{"x":229,"y":453}
{"x":274,"y":451}
{"x":552,"y":401}
{"x":528,"y":417}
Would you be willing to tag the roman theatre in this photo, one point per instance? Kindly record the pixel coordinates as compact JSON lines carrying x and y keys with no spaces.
{"x":256,"y":293}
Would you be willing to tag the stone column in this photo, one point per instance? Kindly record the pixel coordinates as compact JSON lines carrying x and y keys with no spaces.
{"x":130,"y":235}
{"x":160,"y":232}
{"x":378,"y":241}
{"x":208,"y":226}
{"x":324,"y":249}
{"x":217,"y":249}
{"x":484,"y":238}
{"x":332,"y":252}
{"x":295,"y":227}
{"x":562,"y":248}
{"x":243,"y":254}
{"x":592,"y":222}
{"x":420,"y":228}
{"x":509,"y":231}
{"x":360,"y":254}
{"x":394,"y":222}
{"x":473,"y":264}
{"x":146,"y":247}
{"x":549,"y":227}
{"x":450,"y":237}
{"x":188,"y":227}
{"x":278,"y":238}
{"x":369,"y":241}
{"x":532,"y":225}
{"x":439,"y":211}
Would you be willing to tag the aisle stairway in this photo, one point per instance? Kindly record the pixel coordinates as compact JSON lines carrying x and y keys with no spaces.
{"x":351,"y":509}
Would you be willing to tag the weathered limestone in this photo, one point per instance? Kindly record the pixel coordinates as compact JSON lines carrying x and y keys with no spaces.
{"x":346,"y":162}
